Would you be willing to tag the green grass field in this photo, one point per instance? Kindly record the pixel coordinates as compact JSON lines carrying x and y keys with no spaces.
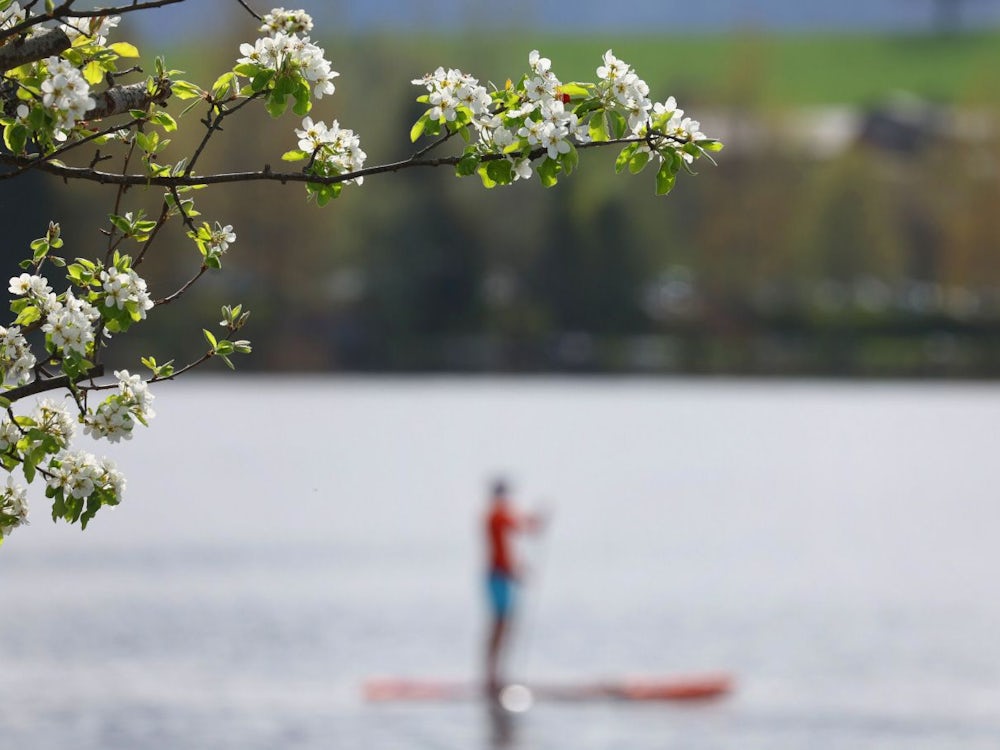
{"x":800,"y":69}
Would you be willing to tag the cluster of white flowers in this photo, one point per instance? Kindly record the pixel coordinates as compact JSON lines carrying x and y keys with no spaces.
{"x":16,"y":359}
{"x":542,"y":119}
{"x":451,"y":89}
{"x":10,"y":433}
{"x":679,"y":126}
{"x":13,"y":507}
{"x":66,"y":93}
{"x":35,"y":286}
{"x":79,"y":474}
{"x":551,"y":126}
{"x":289,"y":21}
{"x":624,"y":87}
{"x":116,"y":416}
{"x":283,"y":52}
{"x":95,"y":28}
{"x":121,"y":287}
{"x":55,"y":421}
{"x":70,"y":324}
{"x":112,"y":420}
{"x":11,"y":16}
{"x":333,"y":146}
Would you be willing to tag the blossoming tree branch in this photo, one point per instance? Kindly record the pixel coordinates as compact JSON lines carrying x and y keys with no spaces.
{"x":75,"y":106}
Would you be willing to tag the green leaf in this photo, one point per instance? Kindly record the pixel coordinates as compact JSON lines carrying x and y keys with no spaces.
{"x":276,"y":104}
{"x":710,"y":145}
{"x":418,"y":128}
{"x":548,"y":171}
{"x":303,"y":98}
{"x":148,"y":142}
{"x":295,"y":155}
{"x":638,"y":162}
{"x":185,"y":90}
{"x":587,"y":106}
{"x":574,"y":89}
{"x":488,"y":182}
{"x":28,"y":315}
{"x":569,"y":160}
{"x":666,"y":176}
{"x":248,"y":69}
{"x":165,"y":121}
{"x":223,"y":85}
{"x":15,"y":137}
{"x":500,"y":171}
{"x":93,"y":72}
{"x":618,"y":123}
{"x":598,"y":128}
{"x":210,"y":338}
{"x":625,"y":156}
{"x":124,"y":49}
{"x":467,"y":165}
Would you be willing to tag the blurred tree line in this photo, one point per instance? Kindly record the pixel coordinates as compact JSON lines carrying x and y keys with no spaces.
{"x":880,"y":258}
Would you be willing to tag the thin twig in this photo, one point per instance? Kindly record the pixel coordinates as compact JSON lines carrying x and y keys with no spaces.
{"x":250,"y":10}
{"x":66,"y":11}
{"x":187,"y":285}
{"x":42,"y":385}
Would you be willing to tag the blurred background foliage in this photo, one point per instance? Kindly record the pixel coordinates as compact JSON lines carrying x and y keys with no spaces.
{"x":852,"y":226}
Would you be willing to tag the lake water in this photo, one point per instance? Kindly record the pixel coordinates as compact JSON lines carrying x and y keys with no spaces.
{"x":833,"y":546}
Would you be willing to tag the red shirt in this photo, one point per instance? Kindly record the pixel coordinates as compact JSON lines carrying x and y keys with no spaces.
{"x":499,"y":524}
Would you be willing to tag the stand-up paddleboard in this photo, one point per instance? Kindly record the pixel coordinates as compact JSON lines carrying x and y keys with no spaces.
{"x":690,"y":688}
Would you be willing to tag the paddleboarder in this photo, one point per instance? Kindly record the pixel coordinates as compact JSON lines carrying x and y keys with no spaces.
{"x":502,"y":524}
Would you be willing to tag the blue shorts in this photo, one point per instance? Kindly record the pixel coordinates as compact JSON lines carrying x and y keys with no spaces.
{"x":501,"y":591}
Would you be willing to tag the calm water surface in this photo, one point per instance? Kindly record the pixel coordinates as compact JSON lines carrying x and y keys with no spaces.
{"x":832,"y":546}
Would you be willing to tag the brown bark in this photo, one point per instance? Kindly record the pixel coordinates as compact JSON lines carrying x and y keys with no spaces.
{"x":119,"y":99}
{"x":21,"y":51}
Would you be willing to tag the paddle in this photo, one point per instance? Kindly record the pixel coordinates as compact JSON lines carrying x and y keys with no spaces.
{"x":517,"y":697}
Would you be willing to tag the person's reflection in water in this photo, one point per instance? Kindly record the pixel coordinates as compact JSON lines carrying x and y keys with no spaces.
{"x":503,"y":725}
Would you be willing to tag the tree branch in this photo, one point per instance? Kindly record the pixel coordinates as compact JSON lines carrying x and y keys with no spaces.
{"x":250,"y":10}
{"x":22,"y":51}
{"x":66,"y":11}
{"x":120,"y":99}
{"x":42,"y":385}
{"x":266,"y":174}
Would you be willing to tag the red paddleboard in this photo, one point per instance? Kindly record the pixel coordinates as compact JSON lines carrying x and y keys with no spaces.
{"x":681,"y":688}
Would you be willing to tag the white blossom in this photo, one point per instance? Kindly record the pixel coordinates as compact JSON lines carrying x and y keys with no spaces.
{"x":451,"y":89}
{"x":221,"y":238}
{"x":79,"y":474}
{"x":122,"y":287}
{"x":288,"y":21}
{"x":336,"y":148}
{"x":16,"y":358}
{"x":66,"y":93}
{"x":55,"y":420}
{"x":115,"y":417}
{"x":95,"y":28}
{"x":287,"y":52}
{"x":522,"y":169}
{"x":29,"y":284}
{"x":13,"y":506}
{"x":9,"y":435}
{"x":70,"y":324}
{"x":12,"y":16}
